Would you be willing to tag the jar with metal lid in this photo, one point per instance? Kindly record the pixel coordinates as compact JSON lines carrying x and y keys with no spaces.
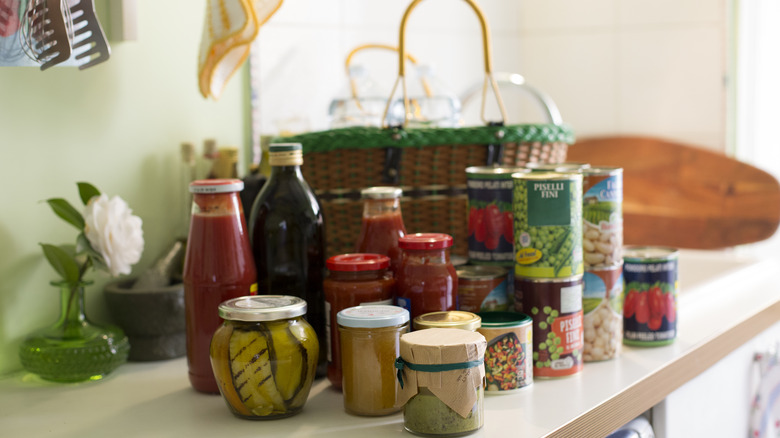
{"x":456,"y":319}
{"x":382,"y":224}
{"x":442,"y":398}
{"x":427,"y":281}
{"x":370,"y":338}
{"x":353,"y":280}
{"x":264,"y":356}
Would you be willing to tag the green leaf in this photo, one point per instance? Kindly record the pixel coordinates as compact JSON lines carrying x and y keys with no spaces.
{"x":87,"y":191}
{"x":62,"y":262}
{"x":83,"y":245}
{"x":64,"y":210}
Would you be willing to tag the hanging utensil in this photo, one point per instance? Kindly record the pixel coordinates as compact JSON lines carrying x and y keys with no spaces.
{"x":88,"y":33}
{"x":44,"y":33}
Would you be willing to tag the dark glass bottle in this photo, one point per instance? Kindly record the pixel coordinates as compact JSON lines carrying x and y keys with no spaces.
{"x":287,"y":233}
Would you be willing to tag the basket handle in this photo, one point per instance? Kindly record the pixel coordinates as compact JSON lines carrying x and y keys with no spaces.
{"x":488,"y":60}
{"x":353,"y":86}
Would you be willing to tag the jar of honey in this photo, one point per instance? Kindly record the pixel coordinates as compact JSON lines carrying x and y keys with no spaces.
{"x":370,"y":338}
{"x":353,"y":280}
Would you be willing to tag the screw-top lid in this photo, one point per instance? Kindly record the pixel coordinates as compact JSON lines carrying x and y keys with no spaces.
{"x":425,"y":241}
{"x":372,"y":316}
{"x":216,"y":186}
{"x":262,"y":308}
{"x":358,"y":262}
{"x":456,"y":319}
{"x":285,"y":154}
{"x":381,"y":193}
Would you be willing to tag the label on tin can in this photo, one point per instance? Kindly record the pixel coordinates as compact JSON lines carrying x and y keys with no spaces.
{"x":508,"y":364}
{"x":555,"y":308}
{"x":490,"y":221}
{"x":650,"y":302}
{"x":602,"y":215}
{"x":603,"y":313}
{"x":482,"y":289}
{"x":548,"y":225}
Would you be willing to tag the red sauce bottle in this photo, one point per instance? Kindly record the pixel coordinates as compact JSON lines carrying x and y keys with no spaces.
{"x":427,"y":281}
{"x":383,"y":224}
{"x":353,"y":280}
{"x":218,"y":266}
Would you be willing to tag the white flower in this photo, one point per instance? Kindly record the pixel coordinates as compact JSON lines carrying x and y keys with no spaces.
{"x":114,"y":232}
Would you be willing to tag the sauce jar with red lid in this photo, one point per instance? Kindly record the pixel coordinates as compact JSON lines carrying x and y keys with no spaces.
{"x":427,"y":281}
{"x":353,"y":280}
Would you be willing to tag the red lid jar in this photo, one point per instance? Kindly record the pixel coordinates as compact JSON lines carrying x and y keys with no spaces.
{"x":427,"y":281}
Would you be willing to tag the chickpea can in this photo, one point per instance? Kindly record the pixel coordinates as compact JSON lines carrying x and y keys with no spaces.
{"x":602,"y":216}
{"x":508,"y":365}
{"x":650,"y":303}
{"x":603,"y":313}
{"x":548,"y":224}
{"x":482,"y":288}
{"x":555,"y":308}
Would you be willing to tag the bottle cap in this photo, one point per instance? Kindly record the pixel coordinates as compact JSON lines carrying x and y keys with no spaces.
{"x":285,"y":154}
{"x":425,"y":241}
{"x":381,"y":193}
{"x":358,"y":262}
{"x":451,"y":319}
{"x":262,"y":308}
{"x":216,"y":186}
{"x":372,"y":316}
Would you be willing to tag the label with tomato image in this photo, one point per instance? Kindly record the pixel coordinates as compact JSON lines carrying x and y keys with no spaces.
{"x":650,"y":302}
{"x":490,"y":220}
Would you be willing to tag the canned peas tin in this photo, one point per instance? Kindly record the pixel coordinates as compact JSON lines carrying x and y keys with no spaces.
{"x":650,"y":303}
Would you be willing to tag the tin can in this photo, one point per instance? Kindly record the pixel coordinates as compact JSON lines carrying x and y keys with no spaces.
{"x":508,"y":364}
{"x":482,"y":288}
{"x":548,"y":224}
{"x":650,"y":303}
{"x":490,"y":222}
{"x":602,"y":308}
{"x":602,"y":216}
{"x":568,"y":166}
{"x":455,"y":319}
{"x":555,"y":307}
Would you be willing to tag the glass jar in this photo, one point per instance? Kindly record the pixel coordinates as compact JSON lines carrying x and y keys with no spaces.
{"x":370,"y":339}
{"x":264,"y":356}
{"x":456,"y":319}
{"x":218,"y":266}
{"x":353,"y":280}
{"x":427,"y":281}
{"x":383,"y":224}
{"x":441,"y":398}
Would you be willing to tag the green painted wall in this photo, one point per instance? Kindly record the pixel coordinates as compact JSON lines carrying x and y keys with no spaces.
{"x":117,"y":125}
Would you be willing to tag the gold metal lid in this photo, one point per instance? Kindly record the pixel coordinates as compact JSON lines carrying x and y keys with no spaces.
{"x":448,"y":319}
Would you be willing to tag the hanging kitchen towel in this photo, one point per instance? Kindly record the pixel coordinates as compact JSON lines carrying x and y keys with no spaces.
{"x":229,"y":29}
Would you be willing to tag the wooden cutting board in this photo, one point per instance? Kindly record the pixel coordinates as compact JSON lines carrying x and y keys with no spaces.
{"x":684,"y":196}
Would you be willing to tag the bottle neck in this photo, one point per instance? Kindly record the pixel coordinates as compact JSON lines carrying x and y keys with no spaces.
{"x":288,"y":171}
{"x":378,"y":207}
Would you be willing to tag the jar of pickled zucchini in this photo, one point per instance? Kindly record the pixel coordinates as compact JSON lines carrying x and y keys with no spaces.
{"x":264,"y":356}
{"x":457,"y":319}
{"x":442,"y":397}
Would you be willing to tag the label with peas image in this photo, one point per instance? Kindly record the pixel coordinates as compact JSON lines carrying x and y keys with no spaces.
{"x":548,"y":225}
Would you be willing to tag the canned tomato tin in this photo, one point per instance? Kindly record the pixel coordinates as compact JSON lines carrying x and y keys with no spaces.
{"x":602,"y":216}
{"x":490,"y":223}
{"x":548,"y":224}
{"x":508,"y":364}
{"x":482,"y":288}
{"x":555,"y":307}
{"x":455,"y":319}
{"x":650,"y":303}
{"x":602,"y":309}
{"x":568,"y":166}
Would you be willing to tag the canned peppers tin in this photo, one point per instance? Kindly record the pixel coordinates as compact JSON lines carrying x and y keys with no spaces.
{"x":508,"y":364}
{"x":602,"y":305}
{"x":490,"y":222}
{"x":548,"y":224}
{"x":602,"y":216}
{"x":650,"y":303}
{"x":482,"y":288}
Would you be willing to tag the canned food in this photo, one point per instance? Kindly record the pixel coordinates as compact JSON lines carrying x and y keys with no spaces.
{"x":482,"y":288}
{"x":508,"y":364}
{"x":490,"y":223}
{"x":456,"y":319}
{"x":569,"y":166}
{"x":602,"y":307}
{"x":602,"y":216}
{"x":650,"y":304}
{"x":548,"y":224}
{"x":555,"y":307}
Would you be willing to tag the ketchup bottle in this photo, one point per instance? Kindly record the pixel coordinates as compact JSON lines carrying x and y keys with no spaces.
{"x":383,"y":224}
{"x":218,"y":266}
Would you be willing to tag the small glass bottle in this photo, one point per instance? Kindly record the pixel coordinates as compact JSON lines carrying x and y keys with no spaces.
{"x":353,"y":280}
{"x":287,"y":234}
{"x":383,"y":224}
{"x":370,"y":337}
{"x":427,"y":280}
{"x":218,"y":266}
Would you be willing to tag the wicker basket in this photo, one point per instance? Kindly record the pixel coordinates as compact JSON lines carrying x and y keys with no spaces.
{"x":428,"y":163}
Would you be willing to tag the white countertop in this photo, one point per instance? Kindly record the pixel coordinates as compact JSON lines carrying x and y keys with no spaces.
{"x":725,"y":298}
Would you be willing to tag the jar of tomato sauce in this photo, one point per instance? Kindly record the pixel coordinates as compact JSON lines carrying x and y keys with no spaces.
{"x":218,"y":266}
{"x":383,"y":223}
{"x":427,"y":281}
{"x":353,"y":280}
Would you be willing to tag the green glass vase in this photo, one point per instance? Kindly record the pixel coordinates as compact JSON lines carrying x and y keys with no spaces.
{"x":73,"y":349}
